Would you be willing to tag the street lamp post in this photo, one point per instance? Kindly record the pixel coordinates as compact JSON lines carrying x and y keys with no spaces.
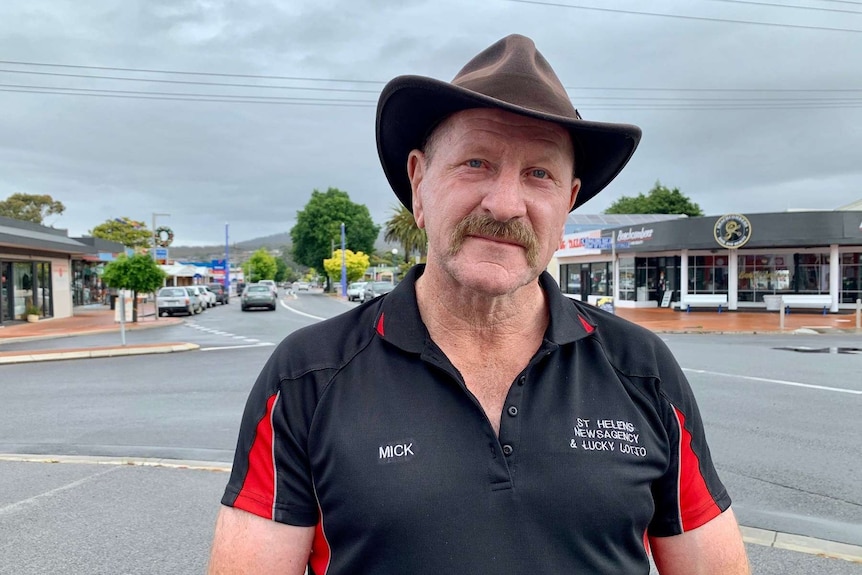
{"x":394,"y":263}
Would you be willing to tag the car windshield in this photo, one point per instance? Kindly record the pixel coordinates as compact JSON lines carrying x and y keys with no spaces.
{"x":262,"y":289}
{"x":173,"y":292}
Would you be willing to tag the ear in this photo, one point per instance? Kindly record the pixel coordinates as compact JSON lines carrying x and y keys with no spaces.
{"x":576,"y":187}
{"x":416,"y":173}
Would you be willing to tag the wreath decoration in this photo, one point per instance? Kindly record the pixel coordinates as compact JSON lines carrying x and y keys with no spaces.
{"x":164,"y":236}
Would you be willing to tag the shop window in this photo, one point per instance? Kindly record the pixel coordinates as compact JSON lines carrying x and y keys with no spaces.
{"x":851,"y":278}
{"x":707,"y":274}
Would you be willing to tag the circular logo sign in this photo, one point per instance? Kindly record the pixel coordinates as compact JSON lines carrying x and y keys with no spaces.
{"x":732,"y":231}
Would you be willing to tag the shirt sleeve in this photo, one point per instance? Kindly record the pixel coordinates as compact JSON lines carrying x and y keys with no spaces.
{"x":690,"y":493}
{"x":271,"y":476}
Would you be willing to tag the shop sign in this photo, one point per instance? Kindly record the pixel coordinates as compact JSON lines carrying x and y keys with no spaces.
{"x":632,"y":237}
{"x":732,"y":231}
{"x":576,"y":244}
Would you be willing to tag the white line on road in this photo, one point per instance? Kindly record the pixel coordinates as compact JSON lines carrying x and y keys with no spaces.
{"x":777,"y":381}
{"x":261,"y":344}
{"x":287,"y":307}
{"x":24,"y":503}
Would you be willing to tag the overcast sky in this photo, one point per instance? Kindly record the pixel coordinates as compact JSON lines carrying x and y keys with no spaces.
{"x":741,"y":117}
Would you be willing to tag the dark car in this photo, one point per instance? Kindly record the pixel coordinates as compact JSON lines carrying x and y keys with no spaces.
{"x":222,"y":296}
{"x":258,"y":295}
{"x":374,"y":289}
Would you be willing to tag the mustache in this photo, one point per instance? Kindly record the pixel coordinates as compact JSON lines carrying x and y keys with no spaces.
{"x":513,"y":231}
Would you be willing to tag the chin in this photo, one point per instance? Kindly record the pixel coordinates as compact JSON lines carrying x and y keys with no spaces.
{"x":492,"y":278}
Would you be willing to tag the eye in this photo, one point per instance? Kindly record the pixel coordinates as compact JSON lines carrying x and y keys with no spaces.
{"x":474,"y":163}
{"x":539,"y":173}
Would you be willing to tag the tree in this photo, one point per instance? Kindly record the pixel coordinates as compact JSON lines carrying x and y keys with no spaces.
{"x":318,"y":227}
{"x":30,"y":207}
{"x":281,"y":270}
{"x":355,"y":263}
{"x":401,"y":228}
{"x":126,"y":231}
{"x":660,"y":200}
{"x":138,"y":273}
{"x":260,"y":266}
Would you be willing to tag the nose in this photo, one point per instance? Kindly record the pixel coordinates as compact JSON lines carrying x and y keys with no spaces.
{"x":504,"y":199}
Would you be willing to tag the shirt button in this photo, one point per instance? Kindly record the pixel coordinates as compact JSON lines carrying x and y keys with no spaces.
{"x":507,"y":449}
{"x":522,"y":380}
{"x":513,"y":411}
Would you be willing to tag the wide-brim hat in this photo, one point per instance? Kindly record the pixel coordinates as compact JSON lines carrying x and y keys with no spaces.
{"x":509,"y":75}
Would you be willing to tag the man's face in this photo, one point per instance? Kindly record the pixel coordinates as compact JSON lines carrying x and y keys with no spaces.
{"x":493,"y":190}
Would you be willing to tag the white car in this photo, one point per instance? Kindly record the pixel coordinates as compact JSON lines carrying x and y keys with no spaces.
{"x":208,"y":298}
{"x":354,"y":291}
{"x":271,"y":284}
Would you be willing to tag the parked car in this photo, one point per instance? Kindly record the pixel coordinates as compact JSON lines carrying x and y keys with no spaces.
{"x":173,"y":300}
{"x":258,"y":295}
{"x":197,"y":302}
{"x":301,"y":286}
{"x":208,"y":298}
{"x":271,"y":284}
{"x":221,"y":294}
{"x":354,"y":291}
{"x":374,"y":289}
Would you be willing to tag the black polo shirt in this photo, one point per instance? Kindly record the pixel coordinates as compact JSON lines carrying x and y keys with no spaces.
{"x":360,"y":426}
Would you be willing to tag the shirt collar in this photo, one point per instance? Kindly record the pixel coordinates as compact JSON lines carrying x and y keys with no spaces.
{"x":398,"y":321}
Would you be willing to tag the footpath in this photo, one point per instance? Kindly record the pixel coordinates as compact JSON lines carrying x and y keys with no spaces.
{"x":86,"y":321}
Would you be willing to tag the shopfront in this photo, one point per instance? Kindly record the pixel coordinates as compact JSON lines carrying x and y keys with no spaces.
{"x":35,"y":270}
{"x":749,"y":258}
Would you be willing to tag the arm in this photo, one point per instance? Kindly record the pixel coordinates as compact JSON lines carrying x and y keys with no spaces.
{"x":245,"y":543}
{"x":714,"y":548}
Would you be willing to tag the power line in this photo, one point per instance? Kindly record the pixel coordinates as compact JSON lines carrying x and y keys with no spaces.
{"x":187,"y":73}
{"x":682,"y":17}
{"x":791,"y":7}
{"x":189,"y":82}
{"x":310,"y":102}
{"x":310,"y":79}
{"x":186,"y":94}
{"x":657,"y":104}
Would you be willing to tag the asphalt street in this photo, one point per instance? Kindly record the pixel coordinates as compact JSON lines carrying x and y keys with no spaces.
{"x":783,"y":426}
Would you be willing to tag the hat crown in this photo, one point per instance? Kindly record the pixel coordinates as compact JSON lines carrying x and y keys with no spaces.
{"x":512,"y":70}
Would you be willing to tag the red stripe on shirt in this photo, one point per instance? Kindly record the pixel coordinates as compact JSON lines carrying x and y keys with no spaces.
{"x":380,"y":325}
{"x":258,"y":489}
{"x":320,"y":551}
{"x":696,"y":505}
{"x":589,"y":328}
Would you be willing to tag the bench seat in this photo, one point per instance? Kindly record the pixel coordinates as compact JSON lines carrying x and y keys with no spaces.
{"x":816,"y":301}
{"x":704,"y":300}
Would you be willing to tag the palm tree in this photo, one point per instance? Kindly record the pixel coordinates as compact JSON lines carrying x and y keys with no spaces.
{"x":401,"y":228}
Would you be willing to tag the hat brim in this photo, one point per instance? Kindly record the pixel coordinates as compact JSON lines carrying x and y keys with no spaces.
{"x":410,"y":106}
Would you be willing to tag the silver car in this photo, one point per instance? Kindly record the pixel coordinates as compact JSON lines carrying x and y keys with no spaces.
{"x":172,"y":300}
{"x":374,"y":289}
{"x":258,"y":295}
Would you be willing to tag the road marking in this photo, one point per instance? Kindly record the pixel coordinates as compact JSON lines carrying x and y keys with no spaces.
{"x":24,"y":503}
{"x":777,"y":381}
{"x":261,"y":344}
{"x":287,"y":307}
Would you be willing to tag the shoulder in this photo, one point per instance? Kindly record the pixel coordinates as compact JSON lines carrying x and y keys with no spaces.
{"x":328,"y":345}
{"x":633,"y":350}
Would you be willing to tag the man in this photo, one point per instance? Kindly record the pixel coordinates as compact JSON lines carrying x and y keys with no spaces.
{"x":474,"y":420}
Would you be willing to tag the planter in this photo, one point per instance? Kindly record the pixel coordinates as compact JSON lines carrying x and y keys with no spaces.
{"x":32,"y":318}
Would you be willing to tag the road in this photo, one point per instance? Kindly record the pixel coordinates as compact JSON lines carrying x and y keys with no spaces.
{"x":783,"y":425}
